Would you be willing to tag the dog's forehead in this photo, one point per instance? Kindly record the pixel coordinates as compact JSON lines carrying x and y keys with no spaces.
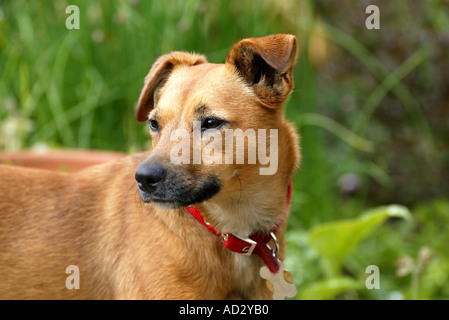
{"x":189,"y":87}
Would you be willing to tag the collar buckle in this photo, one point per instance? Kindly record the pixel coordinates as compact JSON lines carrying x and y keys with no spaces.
{"x":245,"y":246}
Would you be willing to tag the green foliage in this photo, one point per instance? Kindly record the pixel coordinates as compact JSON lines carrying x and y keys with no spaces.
{"x":329,"y":288}
{"x":330,"y":260}
{"x":335,"y":241}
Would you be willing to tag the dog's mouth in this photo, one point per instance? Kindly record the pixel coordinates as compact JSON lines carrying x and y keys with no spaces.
{"x":174,"y":194}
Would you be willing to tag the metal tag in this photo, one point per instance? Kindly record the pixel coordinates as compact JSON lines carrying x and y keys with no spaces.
{"x":280,"y":283}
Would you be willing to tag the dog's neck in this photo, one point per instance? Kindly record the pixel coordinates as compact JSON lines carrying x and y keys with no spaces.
{"x":255,"y":210}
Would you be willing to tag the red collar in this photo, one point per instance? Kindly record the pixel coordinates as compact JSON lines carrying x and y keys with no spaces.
{"x":256,"y":243}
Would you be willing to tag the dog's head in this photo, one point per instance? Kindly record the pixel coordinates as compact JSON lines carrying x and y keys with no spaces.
{"x":212,"y":125}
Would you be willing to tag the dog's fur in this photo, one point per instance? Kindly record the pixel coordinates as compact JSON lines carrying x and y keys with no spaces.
{"x":128,"y":249}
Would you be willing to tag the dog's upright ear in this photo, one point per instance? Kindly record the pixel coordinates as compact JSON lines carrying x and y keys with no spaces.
{"x":158,"y":75}
{"x":266,"y":64}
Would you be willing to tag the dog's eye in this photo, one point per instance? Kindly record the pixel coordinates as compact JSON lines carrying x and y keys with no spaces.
{"x":211,"y":123}
{"x":154,"y":126}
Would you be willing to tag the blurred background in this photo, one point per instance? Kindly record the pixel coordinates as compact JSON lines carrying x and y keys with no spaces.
{"x":372,"y":108}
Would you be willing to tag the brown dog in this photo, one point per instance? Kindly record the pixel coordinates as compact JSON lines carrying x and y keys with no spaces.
{"x":138,"y":241}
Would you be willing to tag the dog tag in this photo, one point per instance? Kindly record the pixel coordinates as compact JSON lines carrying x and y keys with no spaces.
{"x":280,"y":283}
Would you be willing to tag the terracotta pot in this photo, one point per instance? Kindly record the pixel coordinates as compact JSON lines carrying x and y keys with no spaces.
{"x":66,"y":160}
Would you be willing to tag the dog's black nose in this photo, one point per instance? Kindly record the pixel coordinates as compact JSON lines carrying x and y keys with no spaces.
{"x":149,"y":176}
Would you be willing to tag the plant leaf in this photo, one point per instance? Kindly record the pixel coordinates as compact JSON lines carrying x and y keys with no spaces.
{"x":329,"y":288}
{"x":335,"y":241}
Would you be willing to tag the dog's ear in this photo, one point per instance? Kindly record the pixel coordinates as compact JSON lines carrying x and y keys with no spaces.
{"x":157,"y":76}
{"x":266,"y":65}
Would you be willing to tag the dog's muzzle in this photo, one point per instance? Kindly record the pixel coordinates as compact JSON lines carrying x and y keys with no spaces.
{"x":170,"y":188}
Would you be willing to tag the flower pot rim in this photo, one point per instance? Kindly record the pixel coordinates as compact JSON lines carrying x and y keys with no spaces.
{"x":69,"y":160}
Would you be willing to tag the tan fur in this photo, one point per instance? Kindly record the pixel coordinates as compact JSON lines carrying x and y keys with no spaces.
{"x":126,"y":249}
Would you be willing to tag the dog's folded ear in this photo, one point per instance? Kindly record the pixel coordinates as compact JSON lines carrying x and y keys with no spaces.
{"x":266,"y":64}
{"x":157,"y":76}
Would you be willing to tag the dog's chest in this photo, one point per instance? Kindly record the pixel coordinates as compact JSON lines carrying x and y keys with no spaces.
{"x":245,"y":276}
{"x":244,"y":270}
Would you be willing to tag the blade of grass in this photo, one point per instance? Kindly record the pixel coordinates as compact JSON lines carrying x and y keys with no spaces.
{"x":87,"y":116}
{"x":59,"y":117}
{"x":337,"y":129}
{"x":388,"y":84}
{"x":55,"y":89}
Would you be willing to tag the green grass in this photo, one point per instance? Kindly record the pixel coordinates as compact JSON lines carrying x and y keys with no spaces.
{"x":78,"y":89}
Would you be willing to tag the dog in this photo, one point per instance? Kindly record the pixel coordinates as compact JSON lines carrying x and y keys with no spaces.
{"x":144,"y":227}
